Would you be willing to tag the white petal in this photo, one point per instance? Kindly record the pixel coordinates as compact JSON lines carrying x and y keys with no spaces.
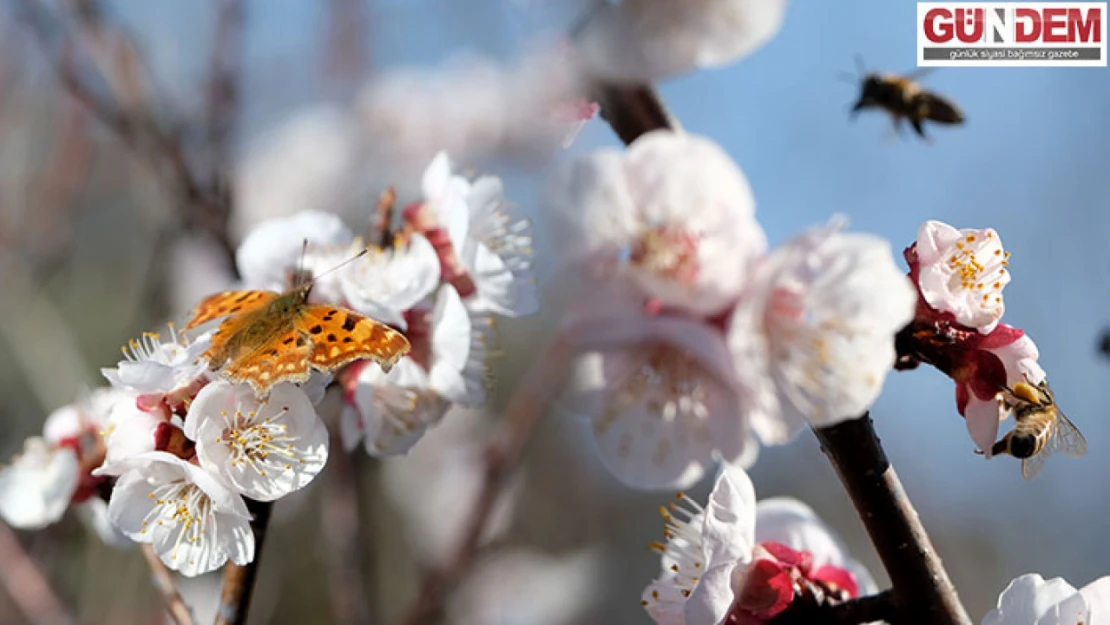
{"x":275,"y":246}
{"x":65,"y":422}
{"x":730,"y":517}
{"x":265,"y":449}
{"x":36,"y":488}
{"x":384,"y":285}
{"x":713,"y":596}
{"x":1097,"y":596}
{"x":982,"y":419}
{"x":1027,"y":598}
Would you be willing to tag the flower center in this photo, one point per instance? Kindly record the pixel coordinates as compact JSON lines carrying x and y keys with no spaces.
{"x":150,"y":348}
{"x":182,"y":506}
{"x":668,"y":251}
{"x":251,"y":441}
{"x":978,"y":264}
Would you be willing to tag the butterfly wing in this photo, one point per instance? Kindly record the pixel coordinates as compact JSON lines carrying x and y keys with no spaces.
{"x":228,"y":303}
{"x":286,"y":358}
{"x":341,"y":336}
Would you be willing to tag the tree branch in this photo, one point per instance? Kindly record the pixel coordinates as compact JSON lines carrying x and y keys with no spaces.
{"x":27,"y":585}
{"x":235,"y":597}
{"x":632,"y":110}
{"x":503,"y":453}
{"x":921,"y":588}
{"x":163,"y":581}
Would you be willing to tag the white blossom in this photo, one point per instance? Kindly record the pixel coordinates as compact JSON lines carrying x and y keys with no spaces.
{"x":127,"y":431}
{"x":718,"y":560}
{"x":1032,"y":600}
{"x":672,"y":212}
{"x":36,"y":488}
{"x":390,"y":412}
{"x":820,"y":318}
{"x":156,"y":366}
{"x":643,"y":40}
{"x":386,"y":283}
{"x":265,"y":448}
{"x":660,"y":393}
{"x":193,"y":519}
{"x":275,"y":248}
{"x":963,"y":272}
{"x":490,"y":242}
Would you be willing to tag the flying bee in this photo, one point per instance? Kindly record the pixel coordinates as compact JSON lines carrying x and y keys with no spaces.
{"x":1041,"y":429}
{"x":903,"y":98}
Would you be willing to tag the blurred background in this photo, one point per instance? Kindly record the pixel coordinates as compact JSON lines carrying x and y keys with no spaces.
{"x":101,"y":238}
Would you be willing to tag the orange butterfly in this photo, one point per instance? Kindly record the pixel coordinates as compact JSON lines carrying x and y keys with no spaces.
{"x":273,"y":337}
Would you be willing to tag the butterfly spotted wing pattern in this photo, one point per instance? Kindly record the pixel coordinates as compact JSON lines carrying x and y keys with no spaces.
{"x":229,"y":303}
{"x":271,"y":337}
{"x":341,"y":336}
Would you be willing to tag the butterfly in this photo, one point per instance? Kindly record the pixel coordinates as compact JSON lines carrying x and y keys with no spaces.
{"x":270,"y":337}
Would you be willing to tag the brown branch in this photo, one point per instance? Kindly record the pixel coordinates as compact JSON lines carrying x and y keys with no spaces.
{"x":880,"y":607}
{"x":632,"y":110}
{"x":163,"y":581}
{"x":503,"y":453}
{"x":235,"y":597}
{"x":922,"y":590}
{"x":27,"y":585}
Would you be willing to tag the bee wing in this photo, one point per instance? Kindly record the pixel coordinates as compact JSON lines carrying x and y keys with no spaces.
{"x":1032,"y":465}
{"x":1067,"y":438}
{"x":919,"y":73}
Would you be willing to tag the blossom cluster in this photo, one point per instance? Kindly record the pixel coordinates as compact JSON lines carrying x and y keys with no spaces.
{"x":697,"y":342}
{"x":960,"y":275}
{"x":179,"y":452}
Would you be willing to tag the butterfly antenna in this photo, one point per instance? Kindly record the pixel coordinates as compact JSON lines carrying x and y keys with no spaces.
{"x":350,"y":260}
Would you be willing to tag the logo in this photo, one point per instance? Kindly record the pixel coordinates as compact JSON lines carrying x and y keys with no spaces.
{"x":1011,"y":34}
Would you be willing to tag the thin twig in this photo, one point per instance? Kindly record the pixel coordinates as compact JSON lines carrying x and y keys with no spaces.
{"x":163,"y":581}
{"x":27,"y":585}
{"x":235,"y":597}
{"x":527,"y":406}
{"x":922,"y":590}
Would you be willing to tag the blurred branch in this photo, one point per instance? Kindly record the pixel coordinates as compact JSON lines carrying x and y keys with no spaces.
{"x":27,"y":585}
{"x":503,"y":453}
{"x":127,"y":109}
{"x":922,"y":590}
{"x":345,"y":48}
{"x":880,"y":607}
{"x":163,"y":581}
{"x":235,"y":597}
{"x":223,"y":91}
{"x":346,"y":536}
{"x":632,"y":110}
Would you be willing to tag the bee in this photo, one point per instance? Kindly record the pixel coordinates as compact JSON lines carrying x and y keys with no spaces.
{"x":903,"y":98}
{"x":1041,"y":429}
